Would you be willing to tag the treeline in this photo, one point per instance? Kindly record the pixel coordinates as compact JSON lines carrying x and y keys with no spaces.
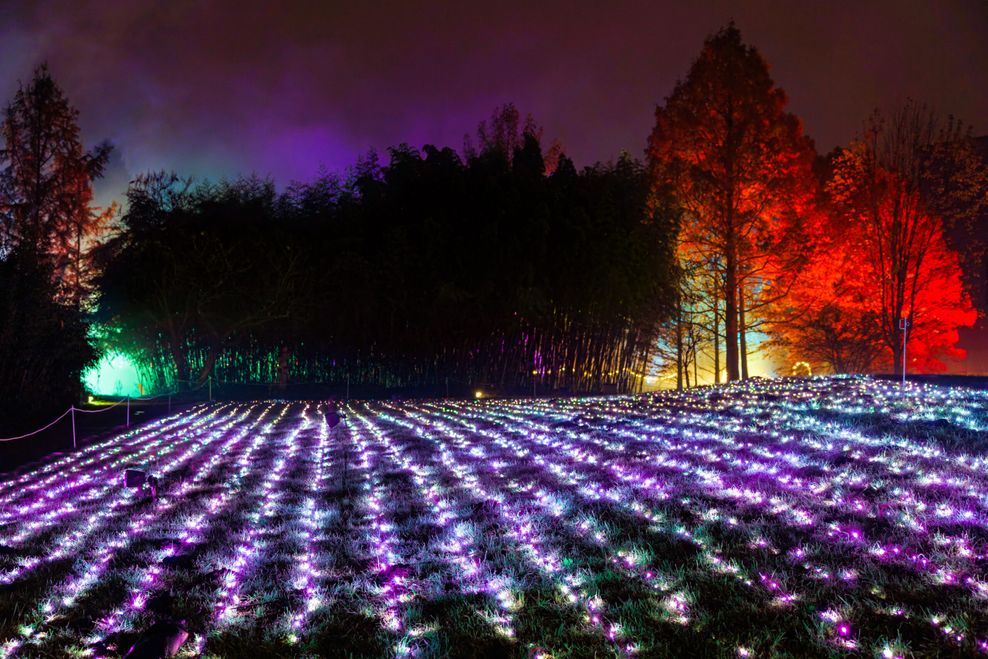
{"x":500,"y":266}
{"x":484,"y":269}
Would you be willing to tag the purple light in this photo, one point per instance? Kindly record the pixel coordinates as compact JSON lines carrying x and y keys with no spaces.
{"x":656,"y":491}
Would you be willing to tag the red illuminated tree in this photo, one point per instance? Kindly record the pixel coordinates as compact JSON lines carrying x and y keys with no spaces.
{"x":739,"y":166}
{"x":829,"y":317}
{"x":867,"y":270}
{"x":910,"y":177}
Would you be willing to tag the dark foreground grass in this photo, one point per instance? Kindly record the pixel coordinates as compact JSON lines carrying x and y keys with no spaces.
{"x":801,"y":518}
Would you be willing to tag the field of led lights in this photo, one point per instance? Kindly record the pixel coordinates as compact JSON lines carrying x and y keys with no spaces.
{"x":810,"y":517}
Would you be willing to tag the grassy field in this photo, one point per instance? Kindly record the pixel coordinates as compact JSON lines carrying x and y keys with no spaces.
{"x":801,"y":518}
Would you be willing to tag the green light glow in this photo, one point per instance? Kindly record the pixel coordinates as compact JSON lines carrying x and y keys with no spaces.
{"x":115,"y":374}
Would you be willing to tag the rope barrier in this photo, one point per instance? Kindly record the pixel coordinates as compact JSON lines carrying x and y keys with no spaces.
{"x":170,"y":393}
{"x":129,"y":399}
{"x":79,"y":409}
{"x":10,"y":439}
{"x":72,"y":409}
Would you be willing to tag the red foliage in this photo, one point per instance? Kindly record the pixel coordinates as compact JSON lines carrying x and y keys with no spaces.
{"x":838,"y":303}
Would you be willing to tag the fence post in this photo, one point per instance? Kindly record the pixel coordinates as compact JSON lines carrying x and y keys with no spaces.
{"x":210,"y":388}
{"x":128,"y":411}
{"x":169,"y":403}
{"x":73,"y":427}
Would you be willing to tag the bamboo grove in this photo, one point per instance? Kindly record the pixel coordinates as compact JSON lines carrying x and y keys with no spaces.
{"x":432,"y":270}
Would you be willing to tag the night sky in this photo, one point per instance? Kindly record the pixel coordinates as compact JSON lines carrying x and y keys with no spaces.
{"x":283,"y":88}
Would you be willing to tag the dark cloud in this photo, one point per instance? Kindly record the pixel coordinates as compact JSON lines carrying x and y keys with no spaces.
{"x":282,"y":88}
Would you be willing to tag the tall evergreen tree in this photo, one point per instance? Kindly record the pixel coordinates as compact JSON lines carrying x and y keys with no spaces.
{"x":46,"y":225}
{"x":739,"y":166}
{"x":46,"y":184}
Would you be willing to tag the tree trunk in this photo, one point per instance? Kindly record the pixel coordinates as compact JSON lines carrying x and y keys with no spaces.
{"x":897,"y":351}
{"x":181,"y":364}
{"x":77,"y":297}
{"x":207,"y":367}
{"x":696,"y":368}
{"x":742,"y":331}
{"x":716,"y":338}
{"x":283,"y":367}
{"x":686,"y":368}
{"x":731,"y":251}
{"x":731,"y":314}
{"x":679,"y":345}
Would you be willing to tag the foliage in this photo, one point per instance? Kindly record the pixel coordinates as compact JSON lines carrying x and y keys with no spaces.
{"x":828,"y":261}
{"x":46,"y":223}
{"x":882,"y":252}
{"x":739,"y":165}
{"x":900,"y":183}
{"x":46,"y":185}
{"x":405,"y":274}
{"x":504,"y":133}
{"x":194,"y":267}
{"x":838,"y":308}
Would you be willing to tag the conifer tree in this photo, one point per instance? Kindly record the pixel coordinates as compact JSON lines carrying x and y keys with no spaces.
{"x":740,"y":167}
{"x":46,"y":191}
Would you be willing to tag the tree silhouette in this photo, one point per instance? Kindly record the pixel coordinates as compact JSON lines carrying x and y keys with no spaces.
{"x":46,"y":184}
{"x":47,"y":226}
{"x":425,"y":270}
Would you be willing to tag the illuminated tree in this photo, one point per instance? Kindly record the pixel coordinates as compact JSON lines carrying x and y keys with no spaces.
{"x":829,"y":318}
{"x":47,"y":226}
{"x":46,"y":194}
{"x":739,"y":166}
{"x":909,"y":178}
{"x":838,"y":312}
